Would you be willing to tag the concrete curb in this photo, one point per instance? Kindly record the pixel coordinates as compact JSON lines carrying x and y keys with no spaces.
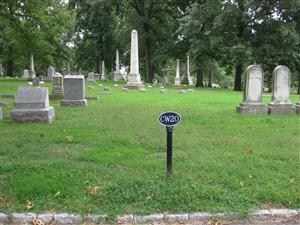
{"x":65,"y":218}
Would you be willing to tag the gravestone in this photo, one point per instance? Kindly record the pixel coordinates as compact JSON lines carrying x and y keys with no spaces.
{"x":50,"y":73}
{"x":36,"y":82}
{"x":103,"y":71}
{"x":32,"y":74}
{"x":97,"y":76}
{"x":91,"y":77}
{"x":32,"y":105}
{"x":253,"y":91}
{"x":26,"y":73}
{"x":281,"y":104}
{"x":177,"y":77}
{"x":134,"y":77}
{"x":57,"y":87}
{"x":1,"y":70}
{"x":74,"y":91}
{"x":187,"y":77}
{"x":117,"y":74}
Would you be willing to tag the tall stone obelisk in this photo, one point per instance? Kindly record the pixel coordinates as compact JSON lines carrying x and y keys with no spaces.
{"x":68,"y":69}
{"x":117,"y":74}
{"x":32,"y":74}
{"x":103,"y":71}
{"x":134,"y":77}
{"x":187,"y":77}
{"x":177,"y":78}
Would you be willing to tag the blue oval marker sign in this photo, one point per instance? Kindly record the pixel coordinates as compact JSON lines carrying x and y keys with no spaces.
{"x":169,"y":119}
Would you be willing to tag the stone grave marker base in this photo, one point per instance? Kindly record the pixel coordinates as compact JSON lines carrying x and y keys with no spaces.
{"x":281,"y":109}
{"x":56,"y":96}
{"x":80,"y":103}
{"x":252,"y":109}
{"x":134,"y":86}
{"x":33,"y":115}
{"x":298,"y":108}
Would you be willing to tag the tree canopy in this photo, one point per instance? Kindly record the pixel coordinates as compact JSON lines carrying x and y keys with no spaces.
{"x":222,"y":37}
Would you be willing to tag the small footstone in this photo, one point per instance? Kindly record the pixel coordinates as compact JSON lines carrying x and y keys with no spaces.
{"x":181,"y":92}
{"x":106,"y":89}
{"x":125,"y":89}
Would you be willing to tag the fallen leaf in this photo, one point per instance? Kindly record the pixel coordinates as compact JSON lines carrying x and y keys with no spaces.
{"x":291,"y":181}
{"x":93,"y":190}
{"x":242,"y":184}
{"x":56,"y":194}
{"x":38,"y":222}
{"x":69,"y":138}
{"x":29,"y":205}
{"x":150,"y":197}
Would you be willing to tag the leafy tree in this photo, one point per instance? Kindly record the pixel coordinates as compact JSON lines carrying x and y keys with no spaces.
{"x":39,"y":27}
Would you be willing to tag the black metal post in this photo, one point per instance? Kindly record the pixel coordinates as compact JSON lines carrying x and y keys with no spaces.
{"x":169,"y":150}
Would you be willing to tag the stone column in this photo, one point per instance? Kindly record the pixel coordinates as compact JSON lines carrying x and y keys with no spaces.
{"x":134,"y":78}
{"x":187,"y":77}
{"x":117,"y":74}
{"x":68,"y":69}
{"x":103,"y":71}
{"x":177,"y":78}
{"x":31,"y":70}
{"x":50,"y":73}
{"x":79,"y":71}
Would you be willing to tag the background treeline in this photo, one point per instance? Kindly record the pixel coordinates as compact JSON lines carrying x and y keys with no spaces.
{"x":222,"y":37}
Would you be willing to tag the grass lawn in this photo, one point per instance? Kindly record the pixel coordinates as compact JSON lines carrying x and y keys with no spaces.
{"x":110,"y":157}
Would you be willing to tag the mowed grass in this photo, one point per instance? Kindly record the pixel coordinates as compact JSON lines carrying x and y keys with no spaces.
{"x":110,"y":157}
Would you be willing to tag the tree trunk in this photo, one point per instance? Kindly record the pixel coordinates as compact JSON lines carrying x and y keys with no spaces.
{"x":298,"y":91}
{"x":210,"y":79}
{"x":9,"y":71}
{"x":238,"y":78}
{"x":149,"y":68}
{"x":199,"y":81}
{"x":270,"y":84}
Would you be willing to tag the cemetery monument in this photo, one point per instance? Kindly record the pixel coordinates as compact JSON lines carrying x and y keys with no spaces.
{"x":252,"y":103}
{"x":57,"y":90}
{"x":281,"y":104}
{"x":32,"y":105}
{"x":134,"y":77}
{"x":187,"y":77}
{"x":74,"y":91}
{"x":177,"y":78}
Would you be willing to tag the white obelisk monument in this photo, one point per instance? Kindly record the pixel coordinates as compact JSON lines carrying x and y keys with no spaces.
{"x":103,"y":71}
{"x":187,"y":77}
{"x":177,"y":78}
{"x":117,"y":74}
{"x":31,"y":69}
{"x":134,"y":77}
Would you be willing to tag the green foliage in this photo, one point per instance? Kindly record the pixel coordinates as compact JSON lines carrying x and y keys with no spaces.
{"x":42,"y":28}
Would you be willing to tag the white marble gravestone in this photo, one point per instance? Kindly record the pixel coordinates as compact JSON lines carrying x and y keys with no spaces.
{"x":252,"y":102}
{"x":58,"y":89}
{"x":50,"y":73}
{"x":26,"y":73}
{"x":91,"y":77}
{"x":281,"y":104}
{"x":177,"y":77}
{"x":187,"y":77}
{"x":117,"y":74}
{"x":1,"y":70}
{"x":103,"y":76}
{"x":32,"y":105}
{"x":134,"y":77}
{"x":74,"y":91}
{"x":32,"y":74}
